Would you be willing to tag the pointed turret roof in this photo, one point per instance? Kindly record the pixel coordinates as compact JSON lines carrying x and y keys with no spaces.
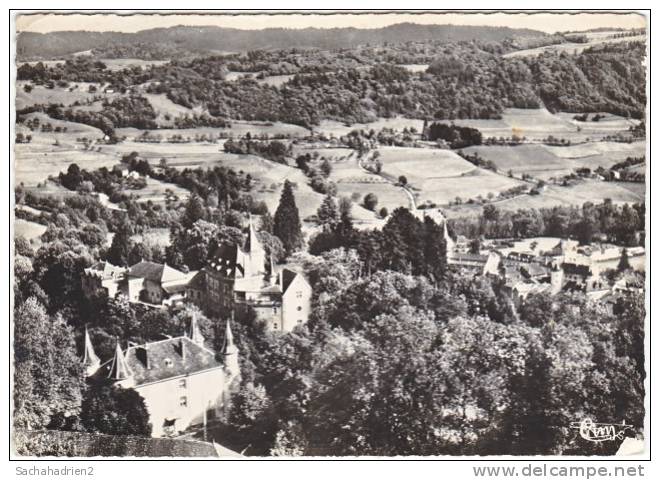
{"x":195,"y":333}
{"x":229,"y":348}
{"x":253,"y":244}
{"x":90,"y":358}
{"x":119,"y":370}
{"x":272,"y":274}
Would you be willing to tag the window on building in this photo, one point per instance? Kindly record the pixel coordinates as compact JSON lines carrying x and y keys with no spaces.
{"x":298,"y":294}
{"x":274,"y":309}
{"x":168,"y":363}
{"x":275,"y":326}
{"x":183,"y":401}
{"x":299,"y":308}
{"x":182,"y":383}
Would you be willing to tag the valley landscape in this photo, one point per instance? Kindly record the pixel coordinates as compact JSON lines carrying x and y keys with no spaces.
{"x":437,"y":188}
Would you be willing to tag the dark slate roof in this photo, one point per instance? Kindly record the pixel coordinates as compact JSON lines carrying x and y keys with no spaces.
{"x":165,"y":359}
{"x":534,"y":269}
{"x":287,"y":278}
{"x":82,"y":444}
{"x":198,"y":281}
{"x":148,"y":270}
{"x":155,"y":272}
{"x":224,"y":260}
{"x":576,"y":269}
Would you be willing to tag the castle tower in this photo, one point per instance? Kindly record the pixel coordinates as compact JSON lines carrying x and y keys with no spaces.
{"x":119,"y":370}
{"x":195,"y":333}
{"x":272,"y":275}
{"x":91,"y":361}
{"x":255,"y":251}
{"x":230,"y":354}
{"x":556,"y":279}
{"x":449,"y":242}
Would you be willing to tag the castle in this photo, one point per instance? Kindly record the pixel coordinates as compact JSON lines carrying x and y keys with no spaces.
{"x":180,"y":379}
{"x":238,"y":277}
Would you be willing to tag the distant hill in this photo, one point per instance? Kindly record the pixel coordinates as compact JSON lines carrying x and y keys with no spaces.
{"x":204,"y":39}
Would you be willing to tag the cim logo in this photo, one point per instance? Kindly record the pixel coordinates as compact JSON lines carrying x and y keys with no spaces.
{"x":600,"y":432}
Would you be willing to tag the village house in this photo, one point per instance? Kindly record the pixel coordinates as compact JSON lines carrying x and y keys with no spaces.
{"x":155,"y":283}
{"x":102,"y":278}
{"x":457,"y":256}
{"x":237,"y":278}
{"x":468,"y":262}
{"x":180,"y":379}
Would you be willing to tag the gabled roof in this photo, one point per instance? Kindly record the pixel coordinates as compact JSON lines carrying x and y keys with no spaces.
{"x":169,"y":358}
{"x":534,"y":269}
{"x":178,"y":284}
{"x":287,"y":277}
{"x":105,"y":270}
{"x":155,"y":272}
{"x":198,"y":281}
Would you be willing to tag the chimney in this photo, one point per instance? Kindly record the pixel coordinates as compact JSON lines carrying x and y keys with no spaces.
{"x":182,"y":349}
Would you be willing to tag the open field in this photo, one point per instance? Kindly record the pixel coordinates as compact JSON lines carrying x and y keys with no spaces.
{"x":40,"y":94}
{"x":275,"y":80}
{"x":27,"y":229}
{"x":544,"y":161}
{"x":415,"y":68}
{"x":121,"y":63}
{"x":42,"y":157}
{"x":34,"y":164}
{"x":164,"y":106}
{"x":537,"y":124}
{"x":595,"y":38}
{"x":637,"y":168}
{"x":157,"y":191}
{"x":389,"y":196}
{"x":233,"y":76}
{"x":554,"y":195}
{"x":421,"y":164}
{"x":477,"y":182}
{"x":585,"y":191}
{"x":237,"y":129}
{"x":532,"y":159}
{"x":350,"y":178}
{"x":337,"y":129}
{"x":608,"y":151}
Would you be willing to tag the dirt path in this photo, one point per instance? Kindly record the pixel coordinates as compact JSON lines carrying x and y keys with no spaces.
{"x":405,"y":188}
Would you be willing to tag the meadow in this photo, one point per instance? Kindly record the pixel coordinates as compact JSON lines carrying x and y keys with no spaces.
{"x":31,"y":231}
{"x":115,"y":64}
{"x":237,"y":129}
{"x":537,"y":124}
{"x":595,"y":38}
{"x":337,"y":129}
{"x":419,"y":165}
{"x":577,"y":194}
{"x":74,"y":92}
{"x":471,"y":185}
{"x":544,"y":161}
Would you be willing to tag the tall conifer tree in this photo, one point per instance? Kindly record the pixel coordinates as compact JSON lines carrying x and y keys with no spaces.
{"x":287,"y":220}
